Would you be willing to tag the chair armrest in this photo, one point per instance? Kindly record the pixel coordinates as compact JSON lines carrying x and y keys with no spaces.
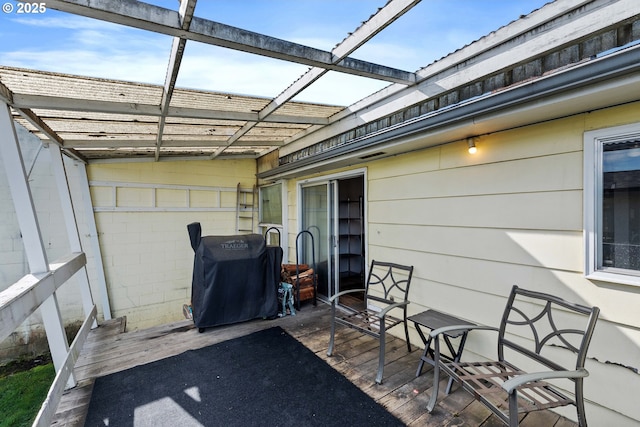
{"x":350,"y":291}
{"x":390,"y":307}
{"x":510,"y":385}
{"x":463,"y":327}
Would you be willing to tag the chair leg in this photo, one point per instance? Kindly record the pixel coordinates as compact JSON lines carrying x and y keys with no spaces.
{"x":333,"y":328}
{"x":382,"y":352}
{"x":436,"y":376}
{"x":406,"y":334}
{"x":513,"y":409}
{"x":582,"y":418}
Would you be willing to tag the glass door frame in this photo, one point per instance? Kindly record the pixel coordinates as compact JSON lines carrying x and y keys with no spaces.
{"x":331,"y":181}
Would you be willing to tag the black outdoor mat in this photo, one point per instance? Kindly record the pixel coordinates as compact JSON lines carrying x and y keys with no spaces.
{"x":263,"y":379}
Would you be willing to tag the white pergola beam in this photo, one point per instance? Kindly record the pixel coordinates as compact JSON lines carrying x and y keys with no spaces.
{"x":185,"y":13}
{"x":57,"y":140}
{"x":157,"y":19}
{"x":21,"y":193}
{"x":482,"y":58}
{"x":69,"y":216}
{"x":82,"y":144}
{"x":21,"y":101}
{"x":6,"y":95}
{"x":385,"y":16}
{"x":41,"y":125}
{"x":32,"y":238}
{"x":101,"y":283}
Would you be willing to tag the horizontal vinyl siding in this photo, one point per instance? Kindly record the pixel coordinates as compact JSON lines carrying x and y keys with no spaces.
{"x":555,"y":172}
{"x":533,"y":211}
{"x":474,"y":226}
{"x":549,"y":249}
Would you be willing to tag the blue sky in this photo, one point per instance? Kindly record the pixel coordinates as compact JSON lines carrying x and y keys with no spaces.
{"x":55,"y":41}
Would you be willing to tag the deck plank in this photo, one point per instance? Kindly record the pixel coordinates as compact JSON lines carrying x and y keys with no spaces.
{"x":110,"y":349}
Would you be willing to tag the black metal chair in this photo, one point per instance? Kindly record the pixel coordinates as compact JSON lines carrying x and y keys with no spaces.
{"x":532,"y":323}
{"x":387,"y":289}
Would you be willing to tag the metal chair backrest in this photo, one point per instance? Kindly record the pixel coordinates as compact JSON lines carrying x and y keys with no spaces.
{"x":387,"y":281}
{"x":539,"y":321}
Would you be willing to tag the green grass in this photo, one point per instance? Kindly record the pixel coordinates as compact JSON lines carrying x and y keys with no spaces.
{"x":22,"y":394}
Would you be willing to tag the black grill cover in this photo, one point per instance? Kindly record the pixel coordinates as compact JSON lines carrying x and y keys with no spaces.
{"x":234,"y":278}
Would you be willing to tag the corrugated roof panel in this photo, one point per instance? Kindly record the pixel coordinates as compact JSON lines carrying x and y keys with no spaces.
{"x":105,"y":127}
{"x":309,"y":110}
{"x":280,"y":133}
{"x":98,"y":130}
{"x":209,"y":122}
{"x":96,"y":116}
{"x":200,"y":129}
{"x":216,"y":101}
{"x":29,"y":82}
{"x":25,"y":123}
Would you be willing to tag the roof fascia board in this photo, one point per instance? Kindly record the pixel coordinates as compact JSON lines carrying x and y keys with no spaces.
{"x":495,"y":54}
{"x":515,"y":101}
{"x":165,"y":21}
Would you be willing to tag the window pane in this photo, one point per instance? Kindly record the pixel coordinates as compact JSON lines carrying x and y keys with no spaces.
{"x":621,"y":205}
{"x":271,"y":203}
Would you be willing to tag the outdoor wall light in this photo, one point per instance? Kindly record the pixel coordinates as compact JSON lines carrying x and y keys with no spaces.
{"x":472,"y":145}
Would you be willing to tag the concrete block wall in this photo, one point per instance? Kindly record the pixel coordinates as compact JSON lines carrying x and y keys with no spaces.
{"x":146,"y":250}
{"x":146,"y":254}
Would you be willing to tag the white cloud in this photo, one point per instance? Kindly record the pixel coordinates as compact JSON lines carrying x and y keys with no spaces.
{"x":340,"y":89}
{"x":211,"y":68}
{"x":100,"y":49}
{"x":68,"y":22}
{"x":132,"y":67}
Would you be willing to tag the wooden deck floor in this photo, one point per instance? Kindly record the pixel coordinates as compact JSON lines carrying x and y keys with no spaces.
{"x":110,"y":349}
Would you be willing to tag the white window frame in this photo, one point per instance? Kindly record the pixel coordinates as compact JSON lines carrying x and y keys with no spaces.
{"x":593,"y":143}
{"x":282,"y":227}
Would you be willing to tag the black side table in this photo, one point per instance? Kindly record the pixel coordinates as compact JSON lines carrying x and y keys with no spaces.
{"x":433,"y":319}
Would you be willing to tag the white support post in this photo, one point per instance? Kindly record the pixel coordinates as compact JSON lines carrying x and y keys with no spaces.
{"x":95,"y":242}
{"x":68,"y":213}
{"x":32,"y":239}
{"x":56,"y":336}
{"x":21,"y":193}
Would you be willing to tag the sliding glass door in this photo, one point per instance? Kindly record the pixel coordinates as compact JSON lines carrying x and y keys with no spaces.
{"x":317,"y":217}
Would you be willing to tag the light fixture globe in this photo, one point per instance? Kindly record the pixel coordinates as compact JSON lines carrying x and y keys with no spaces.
{"x":471,"y":142}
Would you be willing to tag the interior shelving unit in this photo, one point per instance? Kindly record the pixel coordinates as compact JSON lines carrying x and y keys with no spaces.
{"x":351,"y":263}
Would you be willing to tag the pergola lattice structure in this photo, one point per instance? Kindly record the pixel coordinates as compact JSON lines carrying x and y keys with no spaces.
{"x":91,"y":118}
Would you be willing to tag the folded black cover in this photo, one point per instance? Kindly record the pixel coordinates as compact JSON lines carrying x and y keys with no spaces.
{"x":232,"y":281}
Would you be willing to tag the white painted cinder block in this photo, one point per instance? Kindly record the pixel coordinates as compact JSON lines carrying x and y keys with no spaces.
{"x":148,"y":256}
